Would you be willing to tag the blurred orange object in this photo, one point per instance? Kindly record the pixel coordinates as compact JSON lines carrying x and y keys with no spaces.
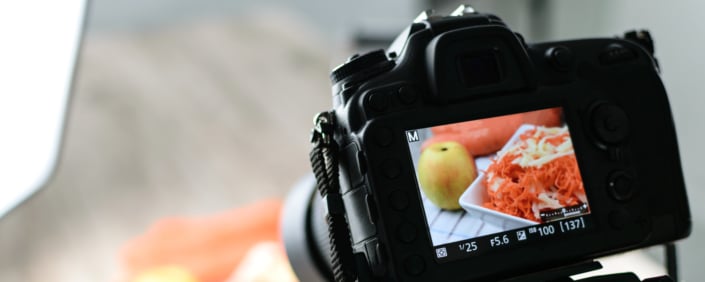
{"x":209,"y":247}
{"x":165,"y":274}
{"x":486,"y":136}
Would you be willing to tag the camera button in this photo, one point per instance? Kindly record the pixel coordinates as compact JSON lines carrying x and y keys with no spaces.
{"x":398,"y":200}
{"x":377,"y":101}
{"x":406,"y":233}
{"x":383,"y":137}
{"x":560,"y":57}
{"x":620,"y":185}
{"x":355,"y":170}
{"x":619,"y":218}
{"x":610,"y":123}
{"x":414,"y":265}
{"x":407,"y":95}
{"x":615,"y":154}
{"x":391,"y":169}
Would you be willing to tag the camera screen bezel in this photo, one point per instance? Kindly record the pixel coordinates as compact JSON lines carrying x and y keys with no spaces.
{"x":570,"y":248}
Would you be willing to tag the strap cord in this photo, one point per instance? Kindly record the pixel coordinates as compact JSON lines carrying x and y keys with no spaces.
{"x":324,"y":162}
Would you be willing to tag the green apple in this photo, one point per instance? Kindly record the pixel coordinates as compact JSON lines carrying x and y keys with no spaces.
{"x":445,"y":170}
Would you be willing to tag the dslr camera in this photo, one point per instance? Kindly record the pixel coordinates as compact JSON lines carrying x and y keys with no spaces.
{"x":464,"y":153}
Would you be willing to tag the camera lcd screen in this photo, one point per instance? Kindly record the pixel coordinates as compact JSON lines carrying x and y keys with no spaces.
{"x":498,"y":182}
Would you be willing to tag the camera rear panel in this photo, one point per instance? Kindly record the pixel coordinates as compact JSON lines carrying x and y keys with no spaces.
{"x":605,"y":96}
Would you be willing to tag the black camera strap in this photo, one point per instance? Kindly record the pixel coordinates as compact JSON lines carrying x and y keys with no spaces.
{"x":324,"y":161}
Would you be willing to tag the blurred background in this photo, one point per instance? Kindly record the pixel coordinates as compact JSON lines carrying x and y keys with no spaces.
{"x":185,"y":107}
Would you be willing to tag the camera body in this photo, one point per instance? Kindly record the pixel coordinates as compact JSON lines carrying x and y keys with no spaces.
{"x":458,"y":73}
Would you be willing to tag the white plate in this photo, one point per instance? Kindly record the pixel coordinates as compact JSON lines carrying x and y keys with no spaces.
{"x":471,"y":200}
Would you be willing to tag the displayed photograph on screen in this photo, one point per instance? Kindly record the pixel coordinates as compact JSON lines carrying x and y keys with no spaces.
{"x":496,"y":174}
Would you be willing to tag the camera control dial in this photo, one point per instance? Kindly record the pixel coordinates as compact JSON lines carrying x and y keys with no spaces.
{"x":360,"y":67}
{"x":610,"y":123}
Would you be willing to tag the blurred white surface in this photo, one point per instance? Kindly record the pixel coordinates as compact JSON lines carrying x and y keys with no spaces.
{"x":39,"y":42}
{"x":637,"y":262}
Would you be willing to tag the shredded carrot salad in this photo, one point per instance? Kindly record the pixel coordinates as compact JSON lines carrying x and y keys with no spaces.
{"x":537,"y":173}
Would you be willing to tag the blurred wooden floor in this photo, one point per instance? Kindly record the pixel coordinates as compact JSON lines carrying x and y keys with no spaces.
{"x":185,"y":121}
